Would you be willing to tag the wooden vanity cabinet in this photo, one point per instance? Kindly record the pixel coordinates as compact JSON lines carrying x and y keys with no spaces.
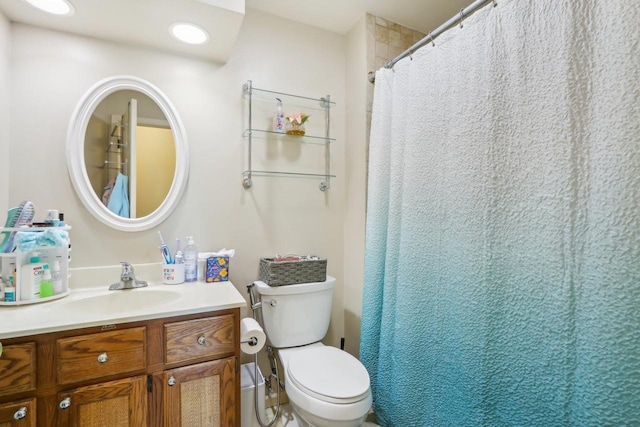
{"x":200,"y":394}
{"x":18,"y":378}
{"x":172,"y":372}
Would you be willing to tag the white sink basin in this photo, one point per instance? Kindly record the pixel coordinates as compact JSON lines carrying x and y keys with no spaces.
{"x":115,"y":302}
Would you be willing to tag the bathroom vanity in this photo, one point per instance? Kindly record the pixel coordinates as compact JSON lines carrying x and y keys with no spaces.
{"x":94,"y":360}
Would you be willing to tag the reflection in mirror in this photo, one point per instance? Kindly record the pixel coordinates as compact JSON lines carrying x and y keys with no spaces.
{"x":130,"y":154}
{"x":125,"y":138}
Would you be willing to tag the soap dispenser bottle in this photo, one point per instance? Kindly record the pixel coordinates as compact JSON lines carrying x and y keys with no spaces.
{"x":190,"y":255}
{"x":278,"y":120}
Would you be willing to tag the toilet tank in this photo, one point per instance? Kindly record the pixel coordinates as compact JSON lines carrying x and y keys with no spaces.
{"x":295,"y":315}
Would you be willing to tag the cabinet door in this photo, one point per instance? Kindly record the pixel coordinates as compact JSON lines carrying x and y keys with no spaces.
{"x":201,"y":395}
{"x":18,"y":414}
{"x":121,"y":403}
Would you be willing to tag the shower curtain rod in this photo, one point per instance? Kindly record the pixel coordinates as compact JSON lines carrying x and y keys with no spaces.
{"x":429,"y":38}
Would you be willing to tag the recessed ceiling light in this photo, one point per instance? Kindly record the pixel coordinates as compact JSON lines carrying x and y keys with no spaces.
{"x":56,"y":7}
{"x":189,"y":33}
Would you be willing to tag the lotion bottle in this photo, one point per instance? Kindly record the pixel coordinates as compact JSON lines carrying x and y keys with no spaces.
{"x":278,"y":120}
{"x":31,"y":278}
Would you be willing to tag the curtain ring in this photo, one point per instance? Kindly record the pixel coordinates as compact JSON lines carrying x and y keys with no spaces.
{"x":410,"y":54}
{"x":461,"y":17}
{"x":433,"y":43}
{"x":495,"y":3}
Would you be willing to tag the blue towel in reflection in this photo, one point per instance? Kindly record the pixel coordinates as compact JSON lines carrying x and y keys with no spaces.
{"x":119,"y":200}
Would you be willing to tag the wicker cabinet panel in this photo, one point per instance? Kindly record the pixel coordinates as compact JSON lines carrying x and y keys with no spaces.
{"x":201,"y":395}
{"x":18,"y":414}
{"x":99,"y":355}
{"x":193,"y":339}
{"x":121,"y":403}
{"x":18,"y":368}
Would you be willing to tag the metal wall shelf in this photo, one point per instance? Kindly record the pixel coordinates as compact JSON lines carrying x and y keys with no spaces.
{"x":250,"y":132}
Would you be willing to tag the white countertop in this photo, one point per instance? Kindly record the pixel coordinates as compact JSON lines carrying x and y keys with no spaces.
{"x":93,"y":306}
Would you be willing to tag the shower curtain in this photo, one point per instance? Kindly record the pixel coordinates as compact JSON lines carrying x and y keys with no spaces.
{"x":502,"y":282}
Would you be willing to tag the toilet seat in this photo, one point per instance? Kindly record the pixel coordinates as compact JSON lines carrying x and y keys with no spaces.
{"x":329,"y":374}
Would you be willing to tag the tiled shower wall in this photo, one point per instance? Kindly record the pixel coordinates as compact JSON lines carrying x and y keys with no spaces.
{"x":385,"y":41}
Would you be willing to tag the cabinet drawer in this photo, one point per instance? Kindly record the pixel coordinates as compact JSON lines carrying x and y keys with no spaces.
{"x":93,"y":356}
{"x":193,"y":339}
{"x":18,"y":368}
{"x":18,"y":413}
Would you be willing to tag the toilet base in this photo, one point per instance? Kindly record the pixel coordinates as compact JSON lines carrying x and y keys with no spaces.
{"x":306,"y":419}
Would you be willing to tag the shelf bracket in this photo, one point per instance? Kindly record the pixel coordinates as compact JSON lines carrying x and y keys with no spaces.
{"x":326,"y":104}
{"x":246,"y":181}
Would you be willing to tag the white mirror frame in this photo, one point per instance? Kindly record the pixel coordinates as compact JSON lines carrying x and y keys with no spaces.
{"x":75,"y":153}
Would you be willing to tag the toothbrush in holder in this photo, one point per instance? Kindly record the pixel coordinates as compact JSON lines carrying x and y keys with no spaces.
{"x":164,"y":249}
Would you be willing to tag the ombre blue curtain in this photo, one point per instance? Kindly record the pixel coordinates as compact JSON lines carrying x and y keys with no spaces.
{"x":502,"y":282}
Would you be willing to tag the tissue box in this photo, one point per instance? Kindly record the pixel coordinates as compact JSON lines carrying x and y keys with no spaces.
{"x":217,"y":269}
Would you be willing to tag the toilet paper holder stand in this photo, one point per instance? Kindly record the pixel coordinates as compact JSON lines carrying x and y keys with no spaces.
{"x":251,"y":340}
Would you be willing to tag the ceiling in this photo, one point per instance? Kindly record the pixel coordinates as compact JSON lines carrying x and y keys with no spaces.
{"x":146,"y":22}
{"x":340,"y":15}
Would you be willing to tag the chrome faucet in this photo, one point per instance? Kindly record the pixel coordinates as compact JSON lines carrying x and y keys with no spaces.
{"x":127,"y":279}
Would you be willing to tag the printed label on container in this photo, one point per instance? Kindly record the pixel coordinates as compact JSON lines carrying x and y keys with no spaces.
{"x":217,"y":269}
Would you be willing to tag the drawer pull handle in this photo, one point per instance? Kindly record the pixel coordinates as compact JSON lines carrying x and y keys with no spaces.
{"x":202,"y":340}
{"x":172,"y":381}
{"x":66,"y":402}
{"x":20,"y":414}
{"x":102,"y":357}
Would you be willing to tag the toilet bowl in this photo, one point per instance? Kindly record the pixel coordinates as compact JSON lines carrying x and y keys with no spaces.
{"x":326,"y":386}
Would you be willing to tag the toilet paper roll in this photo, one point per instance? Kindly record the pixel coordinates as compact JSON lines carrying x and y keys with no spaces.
{"x":250,"y":328}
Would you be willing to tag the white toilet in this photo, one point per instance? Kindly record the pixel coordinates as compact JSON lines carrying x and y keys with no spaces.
{"x":326,"y":386}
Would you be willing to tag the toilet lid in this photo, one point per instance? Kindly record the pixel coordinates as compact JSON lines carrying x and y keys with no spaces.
{"x":329,"y":374}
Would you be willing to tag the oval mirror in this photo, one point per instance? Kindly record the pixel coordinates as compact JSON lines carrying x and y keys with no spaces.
{"x":127,"y":153}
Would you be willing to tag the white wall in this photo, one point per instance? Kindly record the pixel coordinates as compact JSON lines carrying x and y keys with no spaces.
{"x":5,"y":50}
{"x":50,"y":73}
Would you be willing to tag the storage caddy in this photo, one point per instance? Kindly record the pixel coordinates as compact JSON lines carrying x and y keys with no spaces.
{"x":292,"y":270}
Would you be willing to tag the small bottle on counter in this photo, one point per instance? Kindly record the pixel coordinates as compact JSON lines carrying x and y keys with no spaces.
{"x":31,"y":278}
{"x":190,"y":261}
{"x":179,"y":258}
{"x":52,"y":218}
{"x":46,"y":285}
{"x":10,"y":294}
{"x":56,"y":277}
